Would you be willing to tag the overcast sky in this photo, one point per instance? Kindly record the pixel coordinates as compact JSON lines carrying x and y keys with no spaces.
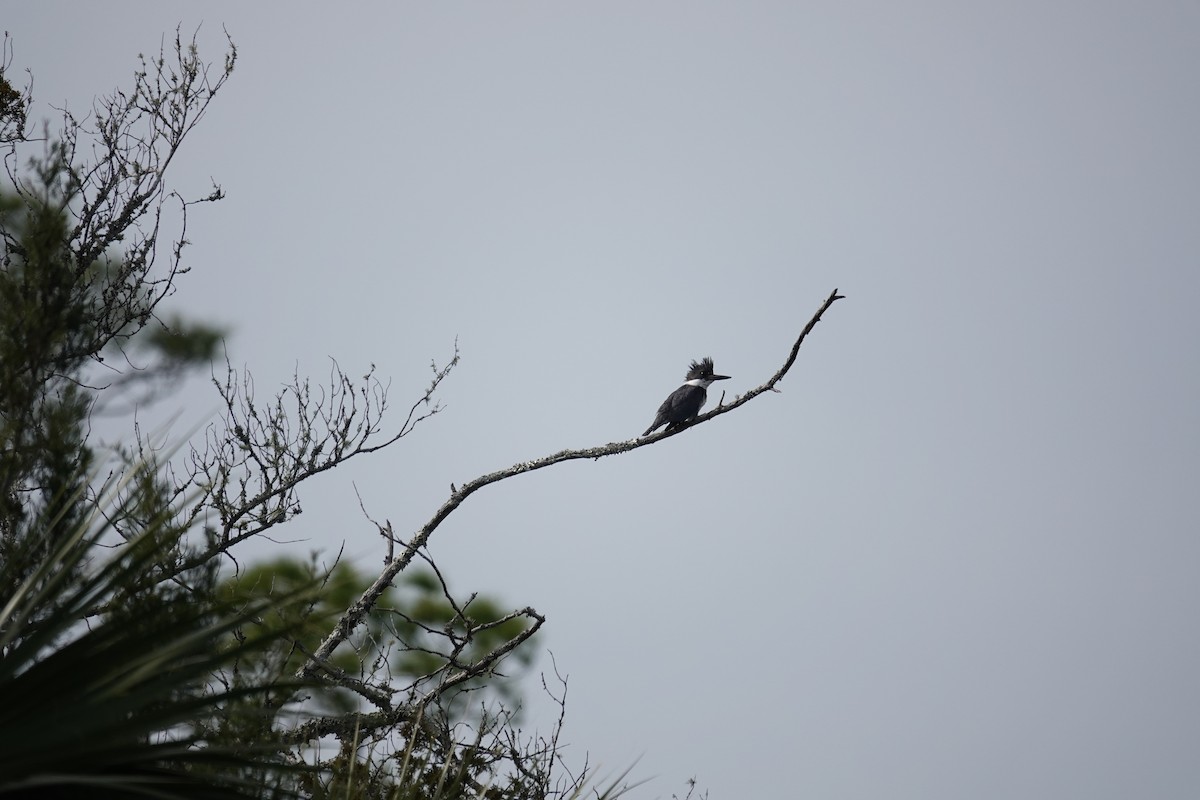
{"x":956,"y":557}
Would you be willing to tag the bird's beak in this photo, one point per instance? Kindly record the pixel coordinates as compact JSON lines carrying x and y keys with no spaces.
{"x":721,"y":377}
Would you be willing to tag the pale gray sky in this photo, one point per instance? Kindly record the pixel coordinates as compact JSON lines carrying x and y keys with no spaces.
{"x":956,"y":557}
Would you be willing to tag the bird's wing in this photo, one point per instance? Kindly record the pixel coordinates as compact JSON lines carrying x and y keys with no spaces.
{"x":673,"y":399}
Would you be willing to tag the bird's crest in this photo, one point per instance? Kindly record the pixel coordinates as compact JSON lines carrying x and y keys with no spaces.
{"x":700,"y":369}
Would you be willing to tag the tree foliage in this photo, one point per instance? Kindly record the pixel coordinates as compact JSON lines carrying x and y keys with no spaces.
{"x":125,"y":704}
{"x":106,"y":670}
{"x":138,"y":654}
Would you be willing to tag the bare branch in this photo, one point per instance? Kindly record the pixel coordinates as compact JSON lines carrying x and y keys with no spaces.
{"x":490,"y":660}
{"x":14,"y":103}
{"x":108,"y":172}
{"x":250,"y":467}
{"x":357,"y":612}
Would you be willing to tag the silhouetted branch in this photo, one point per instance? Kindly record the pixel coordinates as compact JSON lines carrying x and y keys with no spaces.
{"x":108,"y":171}
{"x":251,"y":466}
{"x":357,"y":612}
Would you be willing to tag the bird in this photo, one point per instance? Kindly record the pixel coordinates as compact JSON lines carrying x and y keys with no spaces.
{"x":685,"y":402}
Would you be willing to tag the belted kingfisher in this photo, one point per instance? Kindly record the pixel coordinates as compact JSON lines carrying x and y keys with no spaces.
{"x":685,"y":402}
